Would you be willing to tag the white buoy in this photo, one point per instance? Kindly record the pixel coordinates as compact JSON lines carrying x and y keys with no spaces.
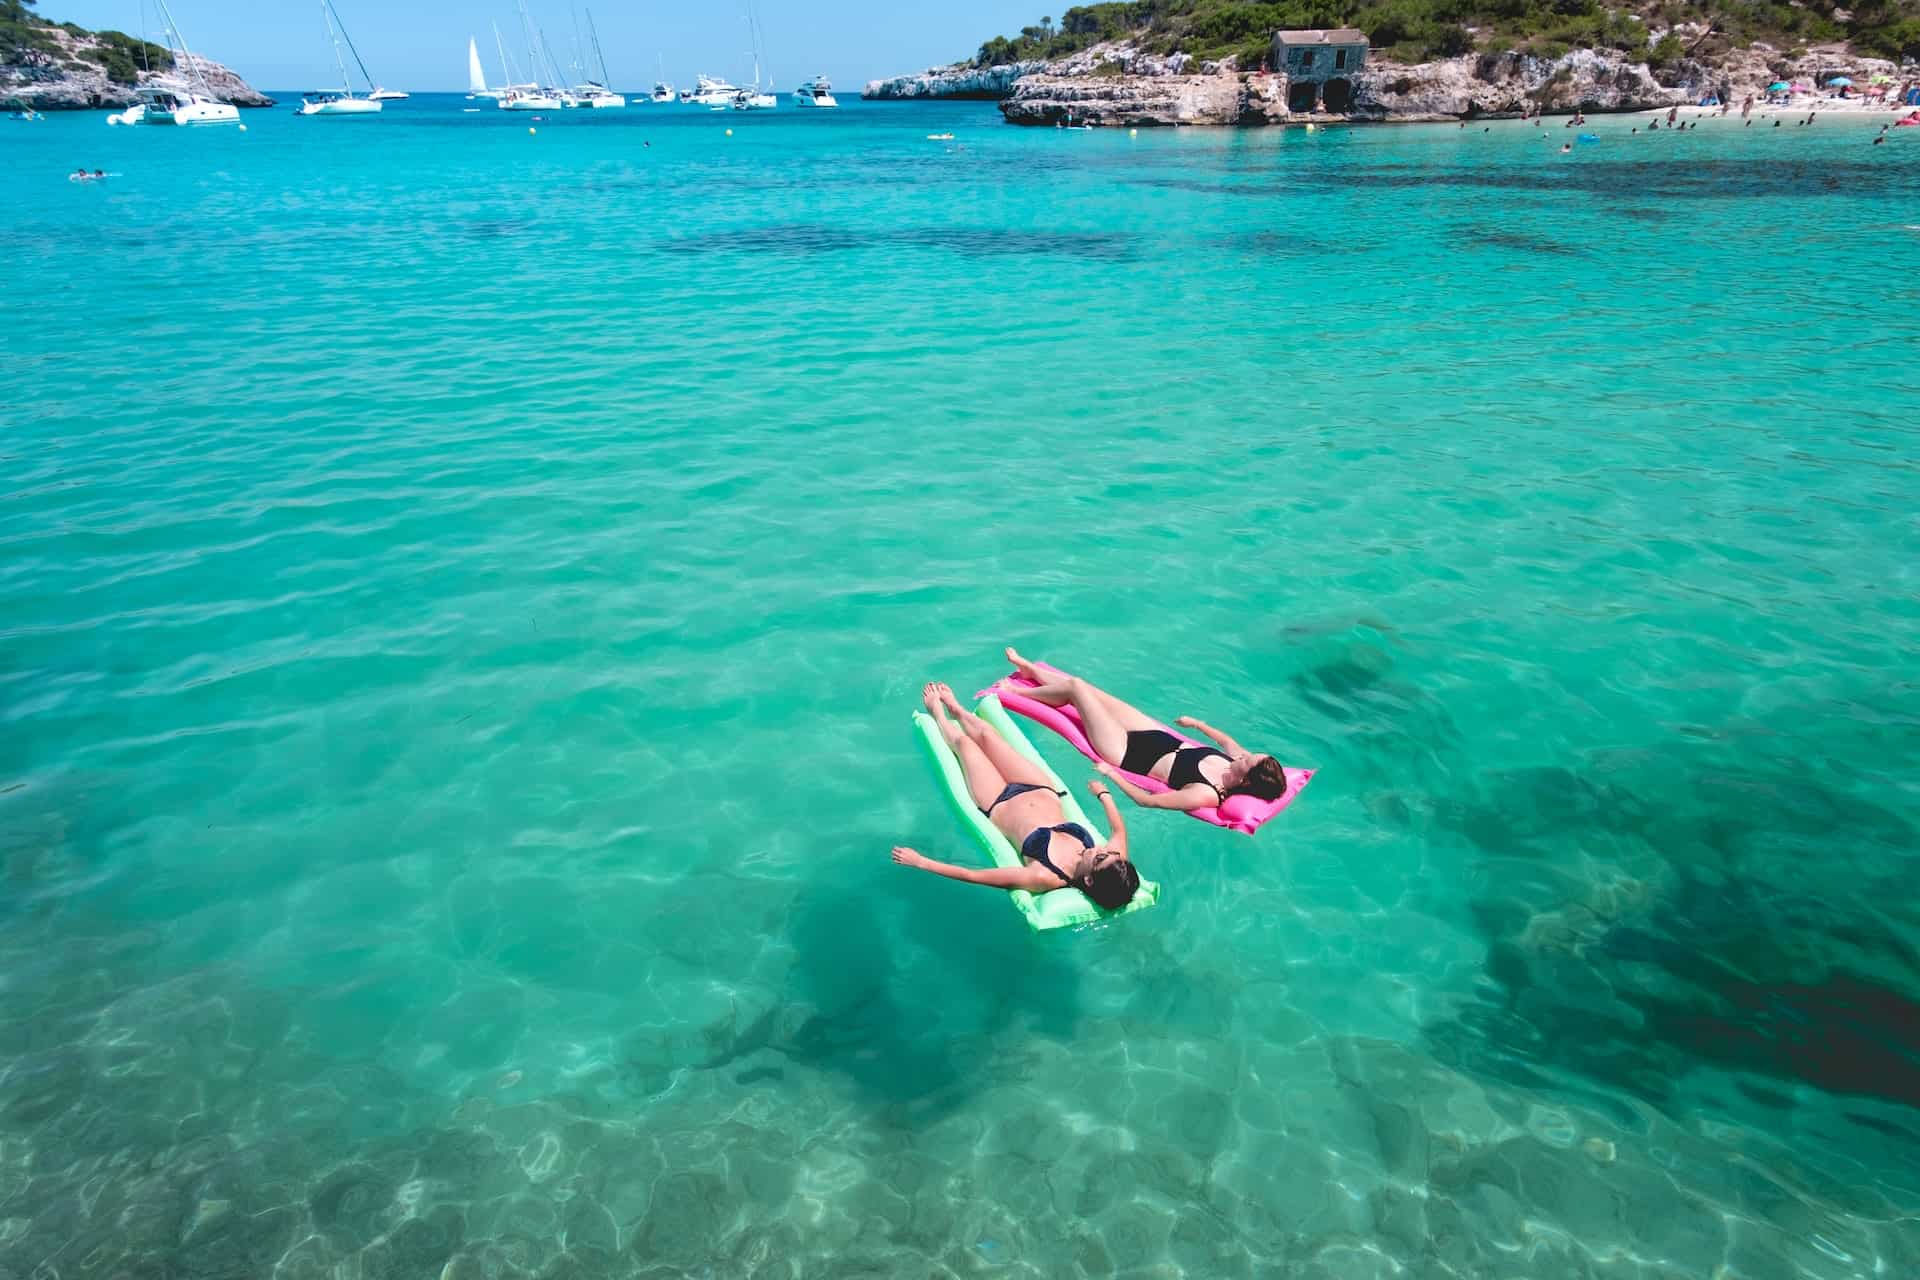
{"x":243,"y":128}
{"x":530,"y":131}
{"x":729,"y":133}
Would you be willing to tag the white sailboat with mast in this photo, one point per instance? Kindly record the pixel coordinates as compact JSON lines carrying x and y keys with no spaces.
{"x":595,"y":93}
{"x":476,"y":74}
{"x":754,"y":99}
{"x":343,"y":103}
{"x":182,"y":100}
{"x":527,"y":97}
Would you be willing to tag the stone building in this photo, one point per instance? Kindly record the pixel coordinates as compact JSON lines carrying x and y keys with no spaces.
{"x":1319,"y":67}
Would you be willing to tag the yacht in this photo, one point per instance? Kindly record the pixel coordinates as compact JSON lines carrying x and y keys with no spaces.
{"x":753,"y":100}
{"x":343,"y":103}
{"x":817,"y":92}
{"x":178,"y":101}
{"x":710,"y":91}
{"x":662,"y":91}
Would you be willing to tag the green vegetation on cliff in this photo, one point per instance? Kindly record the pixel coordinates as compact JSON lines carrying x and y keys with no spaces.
{"x":27,"y":39}
{"x":1419,"y":30}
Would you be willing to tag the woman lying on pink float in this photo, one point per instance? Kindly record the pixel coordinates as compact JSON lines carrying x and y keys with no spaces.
{"x":1229,"y":785}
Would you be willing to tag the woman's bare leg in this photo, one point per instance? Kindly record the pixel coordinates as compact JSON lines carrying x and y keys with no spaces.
{"x":1011,"y":765}
{"x":1107,"y":719}
{"x":984,"y":782}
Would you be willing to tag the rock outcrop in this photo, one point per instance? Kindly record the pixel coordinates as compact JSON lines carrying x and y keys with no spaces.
{"x":63,"y":80}
{"x":1117,"y":84}
{"x":1126,"y":100}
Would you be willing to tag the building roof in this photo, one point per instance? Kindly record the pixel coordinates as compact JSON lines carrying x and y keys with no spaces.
{"x":1339,"y":35}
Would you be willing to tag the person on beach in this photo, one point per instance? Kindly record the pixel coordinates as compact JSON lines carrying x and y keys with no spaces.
{"x":1673,"y":113}
{"x":1124,"y":736}
{"x":1020,"y":801}
{"x":1746,"y":108}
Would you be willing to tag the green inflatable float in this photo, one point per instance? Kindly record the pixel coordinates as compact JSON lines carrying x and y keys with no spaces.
{"x":1062,"y":907}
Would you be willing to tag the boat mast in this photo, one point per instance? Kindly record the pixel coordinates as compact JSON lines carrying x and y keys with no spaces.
{"x":356,"y":53}
{"x":174,"y":34}
{"x":339,"y":59}
{"x":506,"y":68}
{"x":593,"y":34}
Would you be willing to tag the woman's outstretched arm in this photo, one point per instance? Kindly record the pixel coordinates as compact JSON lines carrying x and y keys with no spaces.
{"x":1032,"y":879}
{"x":1227,"y":744}
{"x":1181,"y":801}
{"x":1104,"y":794}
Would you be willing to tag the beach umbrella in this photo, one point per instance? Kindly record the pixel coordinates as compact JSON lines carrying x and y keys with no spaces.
{"x":1778,"y":86}
{"x":1838,"y":80}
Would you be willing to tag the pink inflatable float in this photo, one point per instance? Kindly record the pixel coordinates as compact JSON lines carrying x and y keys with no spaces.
{"x":1239,"y":813}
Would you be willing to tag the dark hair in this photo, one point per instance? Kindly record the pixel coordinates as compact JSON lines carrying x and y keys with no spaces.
{"x":1113,"y":885}
{"x":1265,"y":781}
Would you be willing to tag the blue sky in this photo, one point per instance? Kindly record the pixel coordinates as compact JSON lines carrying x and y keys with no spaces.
{"x":422,"y":44}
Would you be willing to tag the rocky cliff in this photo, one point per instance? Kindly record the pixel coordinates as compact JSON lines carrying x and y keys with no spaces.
{"x":1116,"y":84}
{"x":62,"y":78}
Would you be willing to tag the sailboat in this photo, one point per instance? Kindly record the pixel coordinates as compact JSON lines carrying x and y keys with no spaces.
{"x":594,"y":93}
{"x":754,"y":99}
{"x":476,"y":77}
{"x":529,"y":97}
{"x":177,"y":101}
{"x":342,"y":103}
{"x":662,"y":88}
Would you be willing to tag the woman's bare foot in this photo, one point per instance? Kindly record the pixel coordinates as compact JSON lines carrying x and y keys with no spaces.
{"x":930,"y":697}
{"x":946,"y":695}
{"x":1026,"y":669}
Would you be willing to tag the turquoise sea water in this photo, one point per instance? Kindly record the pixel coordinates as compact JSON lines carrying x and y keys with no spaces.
{"x":464,"y":593}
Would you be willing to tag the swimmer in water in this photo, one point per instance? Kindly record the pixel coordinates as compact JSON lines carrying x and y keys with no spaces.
{"x":1565,"y":147}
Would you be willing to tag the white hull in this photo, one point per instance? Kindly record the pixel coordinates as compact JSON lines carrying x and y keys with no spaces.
{"x":387,"y":95}
{"x":815,"y":93}
{"x":532,"y":102}
{"x":341,"y":107}
{"x":193,"y":113}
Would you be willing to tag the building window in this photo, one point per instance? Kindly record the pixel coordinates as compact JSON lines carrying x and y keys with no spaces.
{"x":1306,"y":58}
{"x":1339,"y":59}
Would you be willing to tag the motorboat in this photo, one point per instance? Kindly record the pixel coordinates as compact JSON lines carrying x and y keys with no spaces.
{"x":662,"y":91}
{"x":817,"y":92}
{"x":710,"y":91}
{"x":389,"y":95}
{"x":344,"y":103}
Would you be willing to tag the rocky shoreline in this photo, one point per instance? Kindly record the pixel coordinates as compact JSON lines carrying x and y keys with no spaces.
{"x":66,"y":81}
{"x":1117,"y":85}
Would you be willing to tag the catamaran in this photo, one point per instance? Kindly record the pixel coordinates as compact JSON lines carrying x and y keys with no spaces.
{"x":817,"y":92}
{"x":178,"y":101}
{"x":343,"y":103}
{"x":593,"y":93}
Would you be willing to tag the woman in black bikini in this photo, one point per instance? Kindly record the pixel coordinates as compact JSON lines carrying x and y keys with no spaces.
{"x":1016,"y":796}
{"x":1199,"y":777}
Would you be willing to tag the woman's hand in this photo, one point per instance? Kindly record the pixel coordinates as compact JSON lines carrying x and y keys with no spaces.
{"x":908,"y":857}
{"x":1106,"y":770}
{"x":1188,"y":722}
{"x":1099,"y":789}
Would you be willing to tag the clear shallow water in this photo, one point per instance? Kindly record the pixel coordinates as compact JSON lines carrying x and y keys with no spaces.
{"x":464,"y":593}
